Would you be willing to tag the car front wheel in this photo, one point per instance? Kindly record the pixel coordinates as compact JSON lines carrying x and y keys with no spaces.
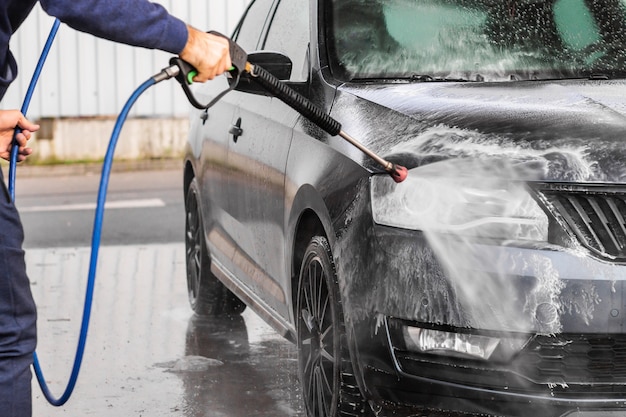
{"x":328,"y":384}
{"x":207,"y":295}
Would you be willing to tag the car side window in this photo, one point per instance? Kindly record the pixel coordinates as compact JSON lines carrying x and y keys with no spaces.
{"x":248,"y":33}
{"x":289,"y":34}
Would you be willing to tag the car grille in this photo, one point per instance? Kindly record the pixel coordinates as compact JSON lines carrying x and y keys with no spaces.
{"x":582,"y":359}
{"x":595,"y":214}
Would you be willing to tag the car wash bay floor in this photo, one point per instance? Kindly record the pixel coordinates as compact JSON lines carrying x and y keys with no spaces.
{"x":147,"y":354}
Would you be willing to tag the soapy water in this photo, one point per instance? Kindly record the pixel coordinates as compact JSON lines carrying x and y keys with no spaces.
{"x":498,"y":41}
{"x":479,"y":193}
{"x":454,"y":215}
{"x":481,"y":203}
{"x":468,"y":61}
{"x":525,"y":160}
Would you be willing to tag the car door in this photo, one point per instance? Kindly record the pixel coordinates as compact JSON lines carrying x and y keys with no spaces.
{"x":257,"y":157}
{"x":215,"y":131}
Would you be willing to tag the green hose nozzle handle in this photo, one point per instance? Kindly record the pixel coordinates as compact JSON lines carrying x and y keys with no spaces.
{"x":187,"y":72}
{"x":190,"y":76}
{"x":238,"y":58}
{"x":193,"y":73}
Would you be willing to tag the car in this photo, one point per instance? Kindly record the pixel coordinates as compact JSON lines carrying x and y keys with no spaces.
{"x":491,"y":281}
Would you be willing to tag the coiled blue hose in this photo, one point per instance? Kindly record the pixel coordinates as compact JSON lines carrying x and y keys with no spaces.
{"x":97,"y":226}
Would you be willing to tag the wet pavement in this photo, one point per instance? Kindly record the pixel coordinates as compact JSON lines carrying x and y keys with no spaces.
{"x":147,"y":355}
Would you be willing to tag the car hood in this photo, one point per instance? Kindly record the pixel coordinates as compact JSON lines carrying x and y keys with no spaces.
{"x":570,"y":131}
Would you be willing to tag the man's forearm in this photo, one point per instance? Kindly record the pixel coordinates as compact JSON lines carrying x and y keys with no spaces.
{"x":133,"y":22}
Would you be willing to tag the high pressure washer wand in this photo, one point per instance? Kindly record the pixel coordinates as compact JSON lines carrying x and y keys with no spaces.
{"x":185,"y":73}
{"x":331,"y":126}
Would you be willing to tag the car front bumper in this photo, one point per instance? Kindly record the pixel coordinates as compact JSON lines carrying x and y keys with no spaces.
{"x":570,"y":305}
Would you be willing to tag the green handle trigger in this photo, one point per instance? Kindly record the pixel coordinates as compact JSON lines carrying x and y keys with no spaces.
{"x":190,"y":76}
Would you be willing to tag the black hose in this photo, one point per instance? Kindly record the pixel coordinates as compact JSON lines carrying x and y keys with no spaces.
{"x":295,"y":100}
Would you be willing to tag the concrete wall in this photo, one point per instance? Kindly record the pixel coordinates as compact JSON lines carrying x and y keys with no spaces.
{"x":72,"y":139}
{"x":86,"y":82}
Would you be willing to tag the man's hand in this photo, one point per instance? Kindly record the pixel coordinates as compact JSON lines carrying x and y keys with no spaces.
{"x":9,"y":120}
{"x":208,"y":53}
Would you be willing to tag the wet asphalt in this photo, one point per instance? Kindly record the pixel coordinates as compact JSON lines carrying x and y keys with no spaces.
{"x":147,"y":354}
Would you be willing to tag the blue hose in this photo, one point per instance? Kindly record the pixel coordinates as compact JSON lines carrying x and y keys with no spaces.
{"x":26,"y":103}
{"x":95,"y":247}
{"x":97,"y":226}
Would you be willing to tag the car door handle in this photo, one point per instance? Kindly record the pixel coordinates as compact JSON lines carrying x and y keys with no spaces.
{"x":236,"y":130}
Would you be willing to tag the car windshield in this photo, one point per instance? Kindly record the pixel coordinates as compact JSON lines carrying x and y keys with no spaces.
{"x":478,"y":40}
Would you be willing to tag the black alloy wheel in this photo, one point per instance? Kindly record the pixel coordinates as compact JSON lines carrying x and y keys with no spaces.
{"x":207,"y":295}
{"x":328,"y":384}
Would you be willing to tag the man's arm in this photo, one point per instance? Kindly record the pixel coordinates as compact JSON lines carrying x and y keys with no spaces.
{"x":145,"y":24}
{"x":133,"y":22}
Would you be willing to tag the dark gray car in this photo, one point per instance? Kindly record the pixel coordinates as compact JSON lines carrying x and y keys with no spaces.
{"x":490,"y":281}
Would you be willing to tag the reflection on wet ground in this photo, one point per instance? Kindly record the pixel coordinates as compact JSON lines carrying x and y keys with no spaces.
{"x":147,"y":355}
{"x":257,"y":378}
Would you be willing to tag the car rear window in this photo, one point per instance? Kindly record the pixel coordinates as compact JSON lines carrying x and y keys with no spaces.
{"x":478,"y":39}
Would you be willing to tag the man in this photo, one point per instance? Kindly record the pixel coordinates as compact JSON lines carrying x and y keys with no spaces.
{"x":134,"y":22}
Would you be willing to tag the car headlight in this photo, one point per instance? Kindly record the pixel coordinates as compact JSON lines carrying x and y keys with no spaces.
{"x":469,"y":205}
{"x":497,"y":348}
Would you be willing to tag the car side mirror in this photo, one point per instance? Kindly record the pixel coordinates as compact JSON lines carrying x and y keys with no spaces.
{"x":275,"y":63}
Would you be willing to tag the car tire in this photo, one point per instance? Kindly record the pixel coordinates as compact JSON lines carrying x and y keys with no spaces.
{"x":328,"y":384}
{"x":207,"y":295}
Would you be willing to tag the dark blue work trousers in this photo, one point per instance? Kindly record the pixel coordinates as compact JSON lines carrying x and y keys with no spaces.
{"x":18,"y":315}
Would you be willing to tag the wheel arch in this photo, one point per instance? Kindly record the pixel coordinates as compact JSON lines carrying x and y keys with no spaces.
{"x":309,"y":217}
{"x":309,"y":226}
